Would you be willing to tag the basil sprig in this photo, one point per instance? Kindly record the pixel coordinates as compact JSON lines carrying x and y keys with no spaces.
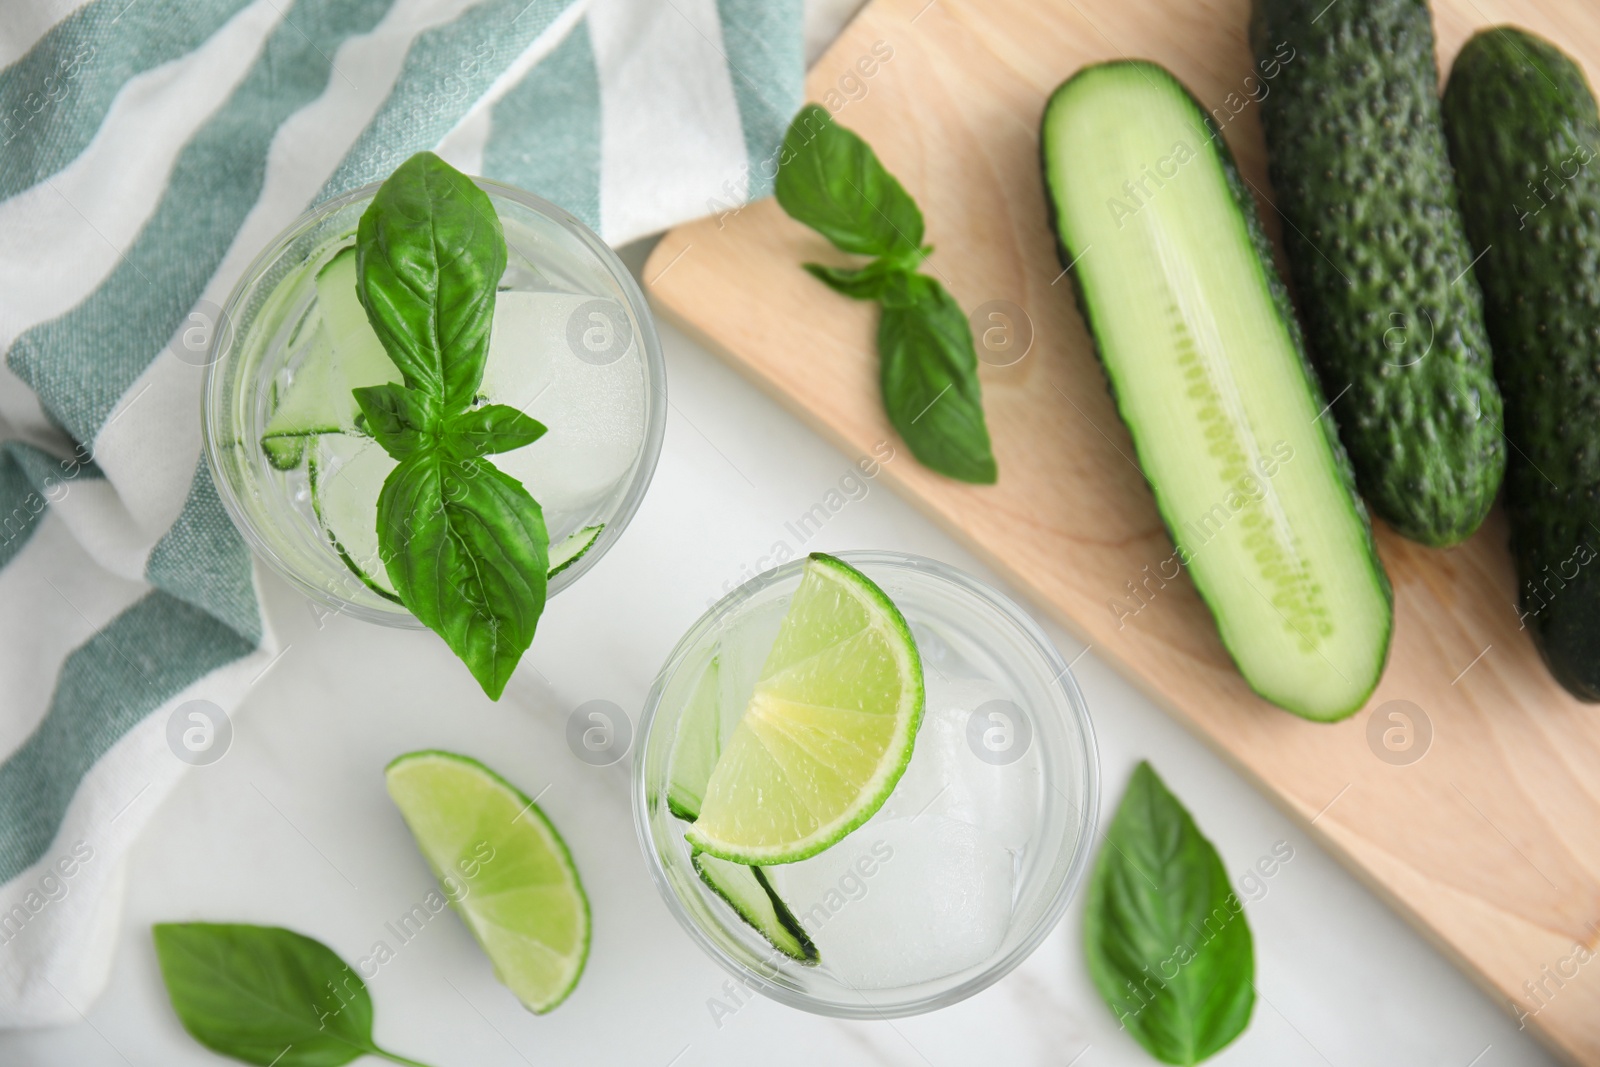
{"x":1166,"y":938}
{"x":464,"y":544}
{"x":831,"y":180}
{"x":266,"y":995}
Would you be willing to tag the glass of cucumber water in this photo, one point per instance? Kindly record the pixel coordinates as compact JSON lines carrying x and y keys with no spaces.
{"x":572,"y":345}
{"x":866,"y":785}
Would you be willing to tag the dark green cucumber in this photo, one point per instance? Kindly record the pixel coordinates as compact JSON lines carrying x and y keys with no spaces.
{"x":1193,"y":326}
{"x":1379,"y":256}
{"x":1525,"y":135}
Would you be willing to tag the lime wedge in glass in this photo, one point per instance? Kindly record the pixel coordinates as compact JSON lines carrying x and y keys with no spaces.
{"x":510,"y":876}
{"x":828,"y":730}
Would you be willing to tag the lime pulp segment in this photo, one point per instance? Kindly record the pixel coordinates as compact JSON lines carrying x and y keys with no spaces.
{"x":828,"y":730}
{"x":508,"y":873}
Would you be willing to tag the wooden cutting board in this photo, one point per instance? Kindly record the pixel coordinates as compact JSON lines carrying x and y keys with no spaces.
{"x":1490,"y":841}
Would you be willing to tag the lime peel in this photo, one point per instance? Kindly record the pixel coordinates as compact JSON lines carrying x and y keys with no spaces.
{"x":524,"y":904}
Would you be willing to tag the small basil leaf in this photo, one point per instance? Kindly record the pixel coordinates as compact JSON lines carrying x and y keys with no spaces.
{"x":1167,"y":942}
{"x":864,"y":284}
{"x":430,"y":252}
{"x":265,"y":995}
{"x":400,"y":419}
{"x":929,"y":374}
{"x":467,"y":550}
{"x":884,"y":279}
{"x":489,"y":429}
{"x":903,"y":289}
{"x":831,"y":180}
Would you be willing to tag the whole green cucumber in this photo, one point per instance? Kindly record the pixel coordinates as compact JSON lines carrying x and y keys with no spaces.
{"x":1379,"y":257}
{"x":1524,"y":134}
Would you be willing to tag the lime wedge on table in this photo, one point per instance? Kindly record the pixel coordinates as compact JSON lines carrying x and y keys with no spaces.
{"x":513,"y":881}
{"x":827,"y":732}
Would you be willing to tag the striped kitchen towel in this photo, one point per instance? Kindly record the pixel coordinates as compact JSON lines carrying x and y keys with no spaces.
{"x":148,"y":150}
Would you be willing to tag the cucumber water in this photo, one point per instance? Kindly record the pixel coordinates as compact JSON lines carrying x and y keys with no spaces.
{"x":593,"y":400}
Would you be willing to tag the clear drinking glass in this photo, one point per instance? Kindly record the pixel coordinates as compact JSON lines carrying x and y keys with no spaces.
{"x":970,"y":862}
{"x":573,"y":345}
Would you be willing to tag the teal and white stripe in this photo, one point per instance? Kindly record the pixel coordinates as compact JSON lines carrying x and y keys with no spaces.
{"x":147,"y":151}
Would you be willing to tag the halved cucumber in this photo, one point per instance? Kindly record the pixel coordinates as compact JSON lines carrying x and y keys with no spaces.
{"x":1195,"y":331}
{"x":749,"y":893}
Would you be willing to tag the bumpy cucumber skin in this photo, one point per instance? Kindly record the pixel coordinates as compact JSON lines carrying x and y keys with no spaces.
{"x":1380,"y":259}
{"x":1280,"y":300}
{"x":1518,"y":111}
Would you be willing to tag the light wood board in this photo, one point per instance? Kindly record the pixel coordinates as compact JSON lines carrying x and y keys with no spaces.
{"x":1490,"y":843}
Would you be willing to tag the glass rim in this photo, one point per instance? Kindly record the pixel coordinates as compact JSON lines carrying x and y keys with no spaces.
{"x":1086,"y":809}
{"x":214,"y":396}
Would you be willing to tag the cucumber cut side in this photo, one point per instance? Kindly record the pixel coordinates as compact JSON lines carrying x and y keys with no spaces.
{"x":1194,"y":330}
{"x":749,"y":893}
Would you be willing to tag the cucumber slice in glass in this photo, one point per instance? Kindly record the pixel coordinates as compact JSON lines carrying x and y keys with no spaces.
{"x":697,"y":745}
{"x":565,"y":553}
{"x":748,"y":893}
{"x":345,"y":354}
{"x":346,"y":475}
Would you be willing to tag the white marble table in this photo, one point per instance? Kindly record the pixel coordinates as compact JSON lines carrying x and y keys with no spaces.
{"x":293,"y":827}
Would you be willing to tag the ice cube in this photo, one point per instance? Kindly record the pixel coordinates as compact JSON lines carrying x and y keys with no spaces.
{"x":939,"y":657}
{"x":974,"y":760}
{"x":741,"y":653}
{"x":902,"y":901}
{"x":551,"y":356}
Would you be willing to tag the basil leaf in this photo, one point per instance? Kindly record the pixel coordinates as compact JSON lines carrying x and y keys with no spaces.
{"x":866,"y":283}
{"x":401,"y":420}
{"x":464,"y":544}
{"x":885,"y":279}
{"x":429,"y":255}
{"x":831,"y":180}
{"x":266,"y":995}
{"x":929,"y":374}
{"x":467,"y":551}
{"x":1167,"y":942}
{"x":489,"y":429}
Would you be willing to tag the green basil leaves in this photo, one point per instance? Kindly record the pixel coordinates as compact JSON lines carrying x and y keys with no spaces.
{"x":831,"y":180}
{"x":1166,"y":938}
{"x":266,"y":995}
{"x":464,"y":544}
{"x":430,"y":253}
